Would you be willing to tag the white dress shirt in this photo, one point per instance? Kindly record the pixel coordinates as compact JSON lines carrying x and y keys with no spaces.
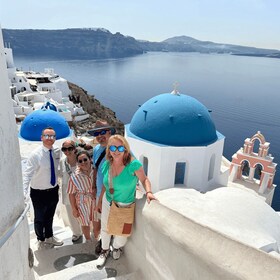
{"x":37,"y":173}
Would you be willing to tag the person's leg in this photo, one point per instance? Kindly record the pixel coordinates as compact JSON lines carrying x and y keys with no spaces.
{"x":39,"y":213}
{"x":73,"y":222}
{"x":96,"y":228}
{"x":96,"y":222}
{"x":51,"y":199}
{"x":117,"y":244}
{"x":86,"y":232}
{"x":119,"y":241}
{"x":105,"y":237}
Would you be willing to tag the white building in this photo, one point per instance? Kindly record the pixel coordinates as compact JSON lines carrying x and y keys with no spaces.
{"x":14,"y":230}
{"x":201,"y":228}
{"x":176,"y":139}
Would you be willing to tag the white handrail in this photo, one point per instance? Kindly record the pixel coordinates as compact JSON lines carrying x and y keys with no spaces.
{"x":12,"y":229}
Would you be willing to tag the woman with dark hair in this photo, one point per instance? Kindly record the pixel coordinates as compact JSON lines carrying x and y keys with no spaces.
{"x":123,"y":171}
{"x":68,"y":166}
{"x":81,"y":192}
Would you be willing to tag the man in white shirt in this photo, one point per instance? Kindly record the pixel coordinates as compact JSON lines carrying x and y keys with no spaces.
{"x":41,"y":174}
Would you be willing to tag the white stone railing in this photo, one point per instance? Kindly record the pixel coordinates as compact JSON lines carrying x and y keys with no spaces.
{"x":13,"y":228}
{"x":167,"y":245}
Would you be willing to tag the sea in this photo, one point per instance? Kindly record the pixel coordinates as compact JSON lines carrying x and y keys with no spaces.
{"x":243,"y":93}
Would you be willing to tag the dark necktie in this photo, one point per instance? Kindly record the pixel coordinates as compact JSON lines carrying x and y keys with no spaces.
{"x":53,"y":180}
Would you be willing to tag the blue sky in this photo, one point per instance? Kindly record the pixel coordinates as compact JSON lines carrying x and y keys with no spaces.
{"x":243,"y":22}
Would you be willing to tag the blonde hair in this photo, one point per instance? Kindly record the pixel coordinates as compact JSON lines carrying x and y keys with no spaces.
{"x":127,"y":154}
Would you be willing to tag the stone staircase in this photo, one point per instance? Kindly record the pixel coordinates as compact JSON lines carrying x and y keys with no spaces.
{"x":73,"y":261}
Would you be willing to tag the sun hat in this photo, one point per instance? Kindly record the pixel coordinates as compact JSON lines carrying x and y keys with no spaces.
{"x":99,"y":125}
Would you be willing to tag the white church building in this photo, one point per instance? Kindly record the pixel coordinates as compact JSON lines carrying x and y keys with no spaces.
{"x":176,"y":140}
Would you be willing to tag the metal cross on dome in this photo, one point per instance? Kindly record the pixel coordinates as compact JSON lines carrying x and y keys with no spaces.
{"x":175,"y":91}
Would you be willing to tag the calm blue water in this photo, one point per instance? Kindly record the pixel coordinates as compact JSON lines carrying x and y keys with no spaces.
{"x":242,"y":92}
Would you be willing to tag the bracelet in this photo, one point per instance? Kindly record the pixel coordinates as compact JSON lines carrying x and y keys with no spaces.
{"x":149,"y":192}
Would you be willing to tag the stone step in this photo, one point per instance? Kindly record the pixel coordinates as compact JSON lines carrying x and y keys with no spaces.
{"x":72,"y":260}
{"x":129,"y":276}
{"x":87,"y":271}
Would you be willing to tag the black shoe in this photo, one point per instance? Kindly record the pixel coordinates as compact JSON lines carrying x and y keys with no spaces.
{"x":76,"y":238}
{"x":98,"y":247}
{"x":100,"y":262}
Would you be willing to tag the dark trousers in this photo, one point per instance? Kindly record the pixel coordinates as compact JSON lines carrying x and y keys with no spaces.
{"x":44,"y":204}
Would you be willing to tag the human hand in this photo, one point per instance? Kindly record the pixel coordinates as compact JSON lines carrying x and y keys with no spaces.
{"x":150,"y":196}
{"x":76,"y":213}
{"x":98,"y":207}
{"x":94,"y":193}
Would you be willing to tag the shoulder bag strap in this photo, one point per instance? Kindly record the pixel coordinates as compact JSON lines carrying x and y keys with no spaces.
{"x":67,"y":168}
{"x":100,"y":159}
{"x":111,"y":188}
{"x":96,"y":167}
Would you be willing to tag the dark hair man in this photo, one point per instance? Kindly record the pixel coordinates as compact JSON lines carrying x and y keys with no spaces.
{"x":41,"y":175}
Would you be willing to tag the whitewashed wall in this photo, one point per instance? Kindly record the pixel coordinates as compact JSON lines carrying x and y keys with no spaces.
{"x":167,"y":244}
{"x":162,"y":163}
{"x":14,"y":253}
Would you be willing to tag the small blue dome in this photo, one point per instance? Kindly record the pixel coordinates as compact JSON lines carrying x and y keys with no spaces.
{"x":50,"y":106}
{"x":174,"y":120}
{"x":33,"y":125}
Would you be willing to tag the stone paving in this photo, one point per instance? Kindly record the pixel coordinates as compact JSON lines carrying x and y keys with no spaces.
{"x":72,"y":260}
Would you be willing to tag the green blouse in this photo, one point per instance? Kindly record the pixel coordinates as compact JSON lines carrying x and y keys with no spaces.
{"x":124,"y":184}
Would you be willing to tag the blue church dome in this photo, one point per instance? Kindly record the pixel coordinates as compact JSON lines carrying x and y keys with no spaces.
{"x":174,"y":120}
{"x":33,"y":125}
{"x":50,"y":106}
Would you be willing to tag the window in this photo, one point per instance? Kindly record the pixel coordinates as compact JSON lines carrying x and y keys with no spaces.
{"x":180,"y":172}
{"x":256,"y":146}
{"x":145,"y":165}
{"x":211,"y":168}
{"x":258,"y":171}
{"x":245,"y":167}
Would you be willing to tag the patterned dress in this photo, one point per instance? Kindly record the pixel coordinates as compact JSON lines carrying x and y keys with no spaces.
{"x":81,"y":186}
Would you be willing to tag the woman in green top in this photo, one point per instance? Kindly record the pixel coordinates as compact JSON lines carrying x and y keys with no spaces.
{"x":125,"y":172}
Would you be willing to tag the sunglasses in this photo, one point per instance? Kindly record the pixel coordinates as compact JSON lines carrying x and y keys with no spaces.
{"x":69,"y":149}
{"x":82,"y":160}
{"x":102,"y":132}
{"x":48,"y":136}
{"x":121,"y":149}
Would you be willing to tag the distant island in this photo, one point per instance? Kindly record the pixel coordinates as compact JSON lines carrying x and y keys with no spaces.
{"x":99,"y":43}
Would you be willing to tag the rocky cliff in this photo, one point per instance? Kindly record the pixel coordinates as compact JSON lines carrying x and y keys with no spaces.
{"x":73,"y":43}
{"x":99,"y":43}
{"x":96,"y":110}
